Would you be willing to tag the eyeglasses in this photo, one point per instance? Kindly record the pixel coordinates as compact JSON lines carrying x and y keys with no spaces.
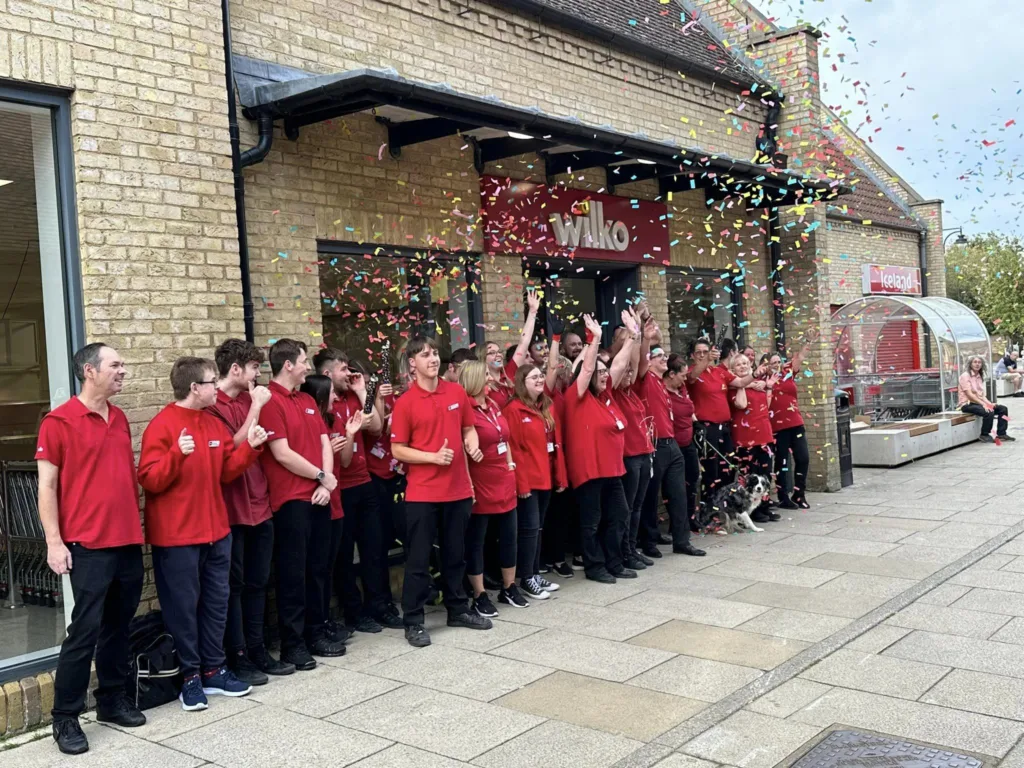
{"x":535,"y":378}
{"x":200,"y":383}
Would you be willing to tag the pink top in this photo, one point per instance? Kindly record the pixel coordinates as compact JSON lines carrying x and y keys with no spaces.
{"x":973,"y":383}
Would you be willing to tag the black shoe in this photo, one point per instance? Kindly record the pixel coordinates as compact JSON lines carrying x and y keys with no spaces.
{"x":634,"y":562}
{"x":337,"y":632}
{"x":986,"y":439}
{"x":564,"y":570}
{"x":546,"y":568}
{"x":512,"y":596}
{"x":644,"y":558}
{"x":269,"y":665}
{"x":577,"y":563}
{"x":469,"y":621}
{"x":299,"y":658}
{"x":773,"y":517}
{"x":625,"y":573}
{"x":1007,"y":438}
{"x":802,"y":503}
{"x":652,"y":551}
{"x":69,"y":737}
{"x":484,"y":607}
{"x":367,"y":625}
{"x":246,"y":671}
{"x":417,"y":636}
{"x":391,"y":618}
{"x":491,"y":583}
{"x":760,"y":517}
{"x":121,"y":712}
{"x":602,"y":578}
{"x":324,"y":646}
{"x":689,"y":549}
{"x":663,"y":539}
{"x":788,"y":504}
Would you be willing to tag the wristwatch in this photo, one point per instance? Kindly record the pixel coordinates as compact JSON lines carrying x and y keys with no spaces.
{"x":320,"y":476}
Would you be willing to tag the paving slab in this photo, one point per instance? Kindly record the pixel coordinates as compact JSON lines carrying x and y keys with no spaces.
{"x":875,"y":674}
{"x":269,"y":737}
{"x":581,"y":590}
{"x":961,"y":652}
{"x":704,"y":610}
{"x":322,"y":691}
{"x":796,"y":575}
{"x":1007,"y":581}
{"x":796,"y":625}
{"x":464,"y":673}
{"x":1011,"y":632}
{"x":584,"y":655}
{"x":597,"y":621}
{"x":848,"y":605}
{"x":108,"y":748}
{"x":952,"y":621}
{"x":992,"y":601}
{"x":941,"y":537}
{"x":816,"y":545}
{"x":994,"y":562}
{"x":933,"y":501}
{"x":899,"y":523}
{"x":403,"y":756}
{"x":870,"y":533}
{"x":979,"y":692}
{"x":559,"y":745}
{"x":958,"y":730}
{"x":788,"y":698}
{"x":171,"y":720}
{"x":750,"y":740}
{"x":611,"y":707}
{"x":437,"y":722}
{"x":944,"y":594}
{"x":679,"y":760}
{"x":1015,"y":564}
{"x":988,"y":516}
{"x":364,"y":651}
{"x":719,"y":644}
{"x":695,"y":678}
{"x":940,"y":555}
{"x":1013,"y":547}
{"x":708,"y":582}
{"x":872,"y":566}
{"x":867,"y":584}
{"x":503,"y":631}
{"x":917,"y":513}
{"x":877,"y":639}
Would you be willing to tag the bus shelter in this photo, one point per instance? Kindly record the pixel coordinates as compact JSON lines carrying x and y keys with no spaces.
{"x":900,"y":357}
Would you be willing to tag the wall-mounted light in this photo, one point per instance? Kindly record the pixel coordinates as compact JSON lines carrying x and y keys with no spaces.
{"x":514,"y":135}
{"x":642,"y":161}
{"x":5,"y":182}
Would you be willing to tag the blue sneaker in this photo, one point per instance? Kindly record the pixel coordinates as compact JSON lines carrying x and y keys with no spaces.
{"x":192,"y":697}
{"x":224,"y":683}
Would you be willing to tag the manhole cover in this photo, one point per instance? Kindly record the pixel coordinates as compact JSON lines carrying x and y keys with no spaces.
{"x":854,"y":749}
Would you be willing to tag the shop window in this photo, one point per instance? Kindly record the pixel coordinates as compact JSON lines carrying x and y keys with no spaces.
{"x":699,"y":304}
{"x":373,"y":294}
{"x":35,"y":373}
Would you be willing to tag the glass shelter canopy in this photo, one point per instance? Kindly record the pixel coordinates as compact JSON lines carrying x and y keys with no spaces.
{"x":900,"y":357}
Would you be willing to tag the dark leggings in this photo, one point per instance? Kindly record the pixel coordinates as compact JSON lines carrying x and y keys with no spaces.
{"x":987,"y":417}
{"x":530,"y":521}
{"x":716,"y":453}
{"x":603,"y":514}
{"x":504,"y":524}
{"x":791,"y":439}
{"x":692,"y":460}
{"x":756,"y":460}
{"x":634,"y":484}
{"x":554,"y":541}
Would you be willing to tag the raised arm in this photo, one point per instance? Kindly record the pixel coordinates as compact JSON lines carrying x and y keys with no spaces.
{"x":649,"y":333}
{"x":619,"y":370}
{"x":589,"y":364}
{"x":551,"y":375}
{"x":533,"y":303}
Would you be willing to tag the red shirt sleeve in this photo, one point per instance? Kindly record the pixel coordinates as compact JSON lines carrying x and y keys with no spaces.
{"x":160,"y":459}
{"x":728,"y":377}
{"x":236,"y":459}
{"x":272,"y":420}
{"x":401,"y":422}
{"x":50,"y":446}
{"x":510,"y":369}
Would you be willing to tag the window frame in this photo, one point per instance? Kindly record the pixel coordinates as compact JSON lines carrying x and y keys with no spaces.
{"x":738,"y":332}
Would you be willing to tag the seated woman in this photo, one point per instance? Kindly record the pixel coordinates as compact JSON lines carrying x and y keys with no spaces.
{"x":973,"y":401}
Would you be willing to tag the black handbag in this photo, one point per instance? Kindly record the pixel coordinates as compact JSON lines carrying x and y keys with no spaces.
{"x":154,"y":676}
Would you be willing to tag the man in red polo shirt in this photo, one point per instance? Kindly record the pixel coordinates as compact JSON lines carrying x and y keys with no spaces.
{"x":300,"y":472}
{"x":247,"y":498}
{"x":430,"y":423}
{"x":369,"y":610}
{"x":89,"y":508}
{"x":669,"y":465}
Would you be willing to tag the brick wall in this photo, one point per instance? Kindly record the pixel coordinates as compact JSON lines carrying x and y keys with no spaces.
{"x":850,"y":245}
{"x":930,"y":214}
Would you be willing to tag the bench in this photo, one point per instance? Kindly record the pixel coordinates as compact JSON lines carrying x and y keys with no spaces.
{"x":890,"y":445}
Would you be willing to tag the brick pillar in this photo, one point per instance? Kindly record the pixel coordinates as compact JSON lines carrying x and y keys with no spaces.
{"x":501,"y":279}
{"x":655,"y":290}
{"x":930,"y":213}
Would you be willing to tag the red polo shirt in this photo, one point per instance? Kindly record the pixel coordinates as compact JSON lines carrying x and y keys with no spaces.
{"x":538,"y":451}
{"x":682,"y":415}
{"x":494,"y":485}
{"x":709,"y":394}
{"x":637,"y":436}
{"x":97,"y":498}
{"x":356,"y":473}
{"x":291,"y":416}
{"x":594,"y":442}
{"x":379,"y":460}
{"x":501,"y":392}
{"x":751,"y":425}
{"x":785,"y":412}
{"x":423,"y":420}
{"x":248,"y":497}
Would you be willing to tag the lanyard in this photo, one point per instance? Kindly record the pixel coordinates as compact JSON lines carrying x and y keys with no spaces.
{"x":493,"y":420}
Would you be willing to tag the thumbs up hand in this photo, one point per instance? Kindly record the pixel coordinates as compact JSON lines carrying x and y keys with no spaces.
{"x":257,"y":435}
{"x":444,"y":456}
{"x":185,"y":443}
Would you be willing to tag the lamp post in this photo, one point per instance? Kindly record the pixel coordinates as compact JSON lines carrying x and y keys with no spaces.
{"x":961,"y":239}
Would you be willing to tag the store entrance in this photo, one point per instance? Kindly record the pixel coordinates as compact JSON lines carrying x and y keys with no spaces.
{"x":573,"y":289}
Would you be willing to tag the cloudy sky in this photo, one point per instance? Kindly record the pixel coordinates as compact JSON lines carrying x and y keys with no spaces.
{"x":915,"y":59}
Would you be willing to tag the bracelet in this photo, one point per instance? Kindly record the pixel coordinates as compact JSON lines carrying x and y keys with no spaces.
{"x":590,"y":336}
{"x":555,"y":337}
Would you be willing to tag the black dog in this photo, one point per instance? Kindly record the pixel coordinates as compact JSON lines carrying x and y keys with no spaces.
{"x":734,"y":503}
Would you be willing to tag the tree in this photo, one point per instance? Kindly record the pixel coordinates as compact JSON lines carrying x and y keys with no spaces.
{"x":988,"y":277}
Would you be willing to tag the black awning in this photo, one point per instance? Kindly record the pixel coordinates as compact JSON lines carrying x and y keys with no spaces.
{"x":299,"y":98}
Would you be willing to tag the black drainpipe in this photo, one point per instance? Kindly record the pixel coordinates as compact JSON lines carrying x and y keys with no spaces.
{"x":240,"y":160}
{"x":923,"y":259}
{"x":778,"y":288}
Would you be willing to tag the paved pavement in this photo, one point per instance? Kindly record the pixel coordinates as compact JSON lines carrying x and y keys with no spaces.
{"x":896,"y":606}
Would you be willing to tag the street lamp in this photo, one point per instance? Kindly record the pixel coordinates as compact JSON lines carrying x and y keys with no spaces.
{"x":960,"y":239}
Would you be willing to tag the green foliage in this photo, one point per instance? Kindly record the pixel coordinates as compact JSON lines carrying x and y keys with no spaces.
{"x":988,"y":276}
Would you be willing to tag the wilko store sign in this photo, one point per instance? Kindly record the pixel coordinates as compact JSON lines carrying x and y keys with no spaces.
{"x":880,"y":279}
{"x":526,"y":218}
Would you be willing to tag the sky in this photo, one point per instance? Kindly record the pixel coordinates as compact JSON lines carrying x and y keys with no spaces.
{"x":942,"y":79}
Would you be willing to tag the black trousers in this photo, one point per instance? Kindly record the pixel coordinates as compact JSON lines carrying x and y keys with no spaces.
{"x":252,"y":549}
{"x":717,"y":450}
{"x":669,"y":480}
{"x":337,"y":534}
{"x":530,"y":514}
{"x":634,"y":484}
{"x":192,"y":584}
{"x":554,"y":540}
{"x":603,"y":514}
{"x":302,"y":553}
{"x":504,"y":525}
{"x":425,"y":521}
{"x":363,"y":529}
{"x":987,"y":417}
{"x":106,"y":585}
{"x":391,"y":502}
{"x":756,"y":460}
{"x":791,"y":440}
{"x":692,"y":460}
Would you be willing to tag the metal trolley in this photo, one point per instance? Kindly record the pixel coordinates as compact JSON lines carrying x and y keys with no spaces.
{"x":25,"y":577}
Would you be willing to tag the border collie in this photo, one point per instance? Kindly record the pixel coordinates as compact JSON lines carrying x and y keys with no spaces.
{"x":734,"y":503}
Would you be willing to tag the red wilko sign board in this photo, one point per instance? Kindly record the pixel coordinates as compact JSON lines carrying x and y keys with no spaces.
{"x":523,"y":217}
{"x":880,"y":279}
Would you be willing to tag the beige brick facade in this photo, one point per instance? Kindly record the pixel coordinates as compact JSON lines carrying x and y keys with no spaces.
{"x":850,"y":245}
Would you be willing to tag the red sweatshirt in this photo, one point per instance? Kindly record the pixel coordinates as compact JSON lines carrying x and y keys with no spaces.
{"x":536,"y":450}
{"x":184,"y":501}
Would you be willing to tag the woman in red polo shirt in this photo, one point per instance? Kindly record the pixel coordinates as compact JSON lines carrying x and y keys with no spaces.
{"x":536,"y":438}
{"x":790,"y":437}
{"x":752,"y":429}
{"x":682,"y":422}
{"x":501,"y":373}
{"x":594,"y":447}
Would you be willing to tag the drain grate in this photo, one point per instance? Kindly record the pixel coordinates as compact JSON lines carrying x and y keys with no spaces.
{"x":855,"y":749}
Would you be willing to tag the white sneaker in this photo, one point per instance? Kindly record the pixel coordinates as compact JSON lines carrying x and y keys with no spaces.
{"x":550,"y":586}
{"x":531,"y":588}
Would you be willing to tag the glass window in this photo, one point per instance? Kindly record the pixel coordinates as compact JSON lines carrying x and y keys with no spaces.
{"x":391,"y":294}
{"x":35,"y":374}
{"x":699,"y":304}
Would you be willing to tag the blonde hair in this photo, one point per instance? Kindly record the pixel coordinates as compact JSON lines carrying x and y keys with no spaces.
{"x":739,"y":359}
{"x":473,"y":377}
